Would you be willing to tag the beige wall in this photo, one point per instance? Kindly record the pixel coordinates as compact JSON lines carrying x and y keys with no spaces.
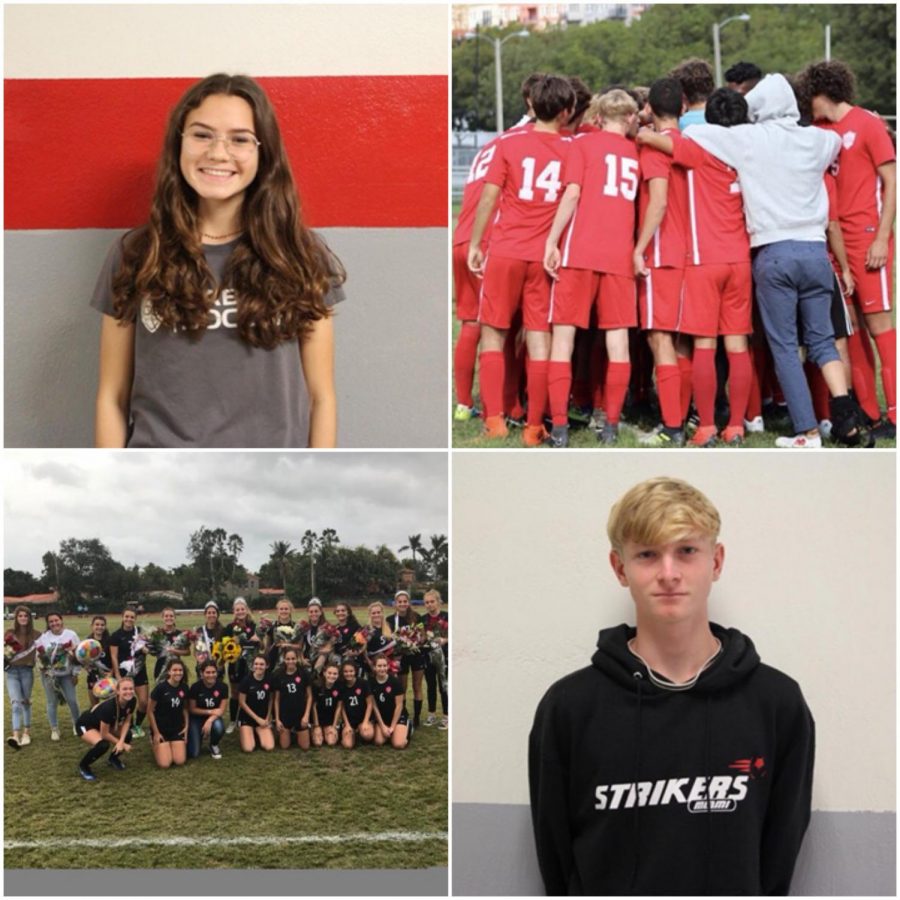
{"x":809,"y":575}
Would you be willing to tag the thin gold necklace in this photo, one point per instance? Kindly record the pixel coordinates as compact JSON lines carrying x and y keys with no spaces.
{"x":220,"y":237}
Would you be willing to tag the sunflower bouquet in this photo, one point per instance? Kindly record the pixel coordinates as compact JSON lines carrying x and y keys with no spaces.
{"x":226,"y":650}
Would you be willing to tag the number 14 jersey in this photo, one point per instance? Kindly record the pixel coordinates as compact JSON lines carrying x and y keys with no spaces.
{"x":600,"y":234}
{"x":529,"y":168}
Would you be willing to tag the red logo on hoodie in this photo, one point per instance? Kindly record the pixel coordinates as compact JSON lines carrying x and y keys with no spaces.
{"x":754,"y":766}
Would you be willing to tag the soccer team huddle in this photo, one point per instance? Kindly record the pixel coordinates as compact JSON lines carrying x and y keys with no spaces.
{"x":756,"y":258}
{"x":312,"y":684}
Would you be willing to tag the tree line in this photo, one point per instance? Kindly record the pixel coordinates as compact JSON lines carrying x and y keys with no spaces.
{"x":778,"y":38}
{"x":86,"y":574}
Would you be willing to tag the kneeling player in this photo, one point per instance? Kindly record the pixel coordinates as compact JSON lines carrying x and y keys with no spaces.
{"x":355,"y":708}
{"x":595,"y":265}
{"x":255,"y":698}
{"x":391,"y":719}
{"x":107,"y":723}
{"x":168,"y":716}
{"x":327,"y":701}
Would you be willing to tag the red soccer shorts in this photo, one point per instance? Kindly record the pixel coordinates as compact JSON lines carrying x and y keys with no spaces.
{"x":873,"y":292}
{"x":509,"y":284}
{"x":578,"y":290}
{"x":466,"y":285}
{"x":659,"y":298}
{"x":717,"y":300}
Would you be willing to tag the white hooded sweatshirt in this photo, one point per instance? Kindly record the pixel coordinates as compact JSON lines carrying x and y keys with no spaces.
{"x":779,"y":163}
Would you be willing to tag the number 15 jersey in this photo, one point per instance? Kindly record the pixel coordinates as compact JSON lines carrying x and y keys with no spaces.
{"x":528,"y":166}
{"x":600,"y":234}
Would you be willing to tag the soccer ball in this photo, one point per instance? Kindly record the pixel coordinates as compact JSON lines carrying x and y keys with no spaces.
{"x":88,"y":650}
{"x":105,"y":688}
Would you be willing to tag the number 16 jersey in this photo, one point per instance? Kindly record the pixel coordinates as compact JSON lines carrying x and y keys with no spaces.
{"x":600,"y":234}
{"x":529,"y":168}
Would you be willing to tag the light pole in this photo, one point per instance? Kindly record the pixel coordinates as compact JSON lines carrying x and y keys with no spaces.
{"x":717,"y":49}
{"x":498,"y":72}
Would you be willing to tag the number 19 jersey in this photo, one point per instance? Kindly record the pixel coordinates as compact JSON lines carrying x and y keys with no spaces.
{"x":528,"y":166}
{"x":600,"y":235}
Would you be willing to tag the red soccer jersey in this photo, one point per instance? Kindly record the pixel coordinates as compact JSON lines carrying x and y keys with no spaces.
{"x":600,"y":234}
{"x":668,"y":246}
{"x":528,"y":166}
{"x":472,"y":192}
{"x":865,"y":146}
{"x":717,"y":232}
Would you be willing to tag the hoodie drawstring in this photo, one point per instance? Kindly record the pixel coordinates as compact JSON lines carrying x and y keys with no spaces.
{"x":707,"y":772}
{"x":635,"y":780}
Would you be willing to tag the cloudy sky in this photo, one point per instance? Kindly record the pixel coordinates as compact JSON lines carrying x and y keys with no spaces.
{"x":144,"y":505}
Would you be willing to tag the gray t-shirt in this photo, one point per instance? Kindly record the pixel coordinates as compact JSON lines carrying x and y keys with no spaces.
{"x":217,"y":391}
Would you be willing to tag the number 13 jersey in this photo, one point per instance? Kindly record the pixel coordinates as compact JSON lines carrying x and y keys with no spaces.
{"x":600,"y":234}
{"x":529,"y":168}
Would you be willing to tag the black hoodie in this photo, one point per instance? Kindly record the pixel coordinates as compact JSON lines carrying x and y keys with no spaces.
{"x":723,"y":776}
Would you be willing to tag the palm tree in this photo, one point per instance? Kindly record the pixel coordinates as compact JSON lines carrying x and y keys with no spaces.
{"x":414,"y":546}
{"x":281,"y":555}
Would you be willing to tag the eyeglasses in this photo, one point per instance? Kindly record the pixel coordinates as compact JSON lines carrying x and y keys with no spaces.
{"x":239,"y":146}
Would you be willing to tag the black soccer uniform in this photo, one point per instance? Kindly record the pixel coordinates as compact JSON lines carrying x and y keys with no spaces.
{"x":344,"y":639}
{"x":386,"y":700}
{"x":326,"y":700}
{"x":354,"y":700}
{"x":161,"y":660}
{"x":171,"y":702}
{"x":417,"y":661}
{"x":378,"y":643}
{"x":208,"y":697}
{"x":258,"y":693}
{"x":433,"y":623}
{"x":273,"y":654}
{"x":122,"y":639}
{"x":292,"y":697}
{"x":108,"y":711}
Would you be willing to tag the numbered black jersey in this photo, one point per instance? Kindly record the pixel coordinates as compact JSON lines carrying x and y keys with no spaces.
{"x":208,"y":697}
{"x":386,"y":697}
{"x":108,"y":711}
{"x":378,"y":643}
{"x":258,"y":693}
{"x":292,"y":695}
{"x":326,"y":700}
{"x":171,"y":702}
{"x":122,"y":640}
{"x":354,"y":700}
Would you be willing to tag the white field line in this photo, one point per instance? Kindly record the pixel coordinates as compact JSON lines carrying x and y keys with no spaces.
{"x":364,"y":837}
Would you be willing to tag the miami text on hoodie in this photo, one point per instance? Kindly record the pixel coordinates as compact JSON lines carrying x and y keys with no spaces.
{"x":637,"y":789}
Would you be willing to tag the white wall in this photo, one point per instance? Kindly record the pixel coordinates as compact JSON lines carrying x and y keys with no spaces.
{"x":809,"y":575}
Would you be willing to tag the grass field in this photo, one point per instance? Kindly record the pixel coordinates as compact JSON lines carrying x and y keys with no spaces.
{"x":369,"y":808}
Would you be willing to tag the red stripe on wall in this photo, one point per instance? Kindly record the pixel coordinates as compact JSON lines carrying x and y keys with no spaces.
{"x":365,"y":151}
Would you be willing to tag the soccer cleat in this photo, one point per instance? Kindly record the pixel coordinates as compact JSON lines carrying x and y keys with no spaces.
{"x":54,"y":734}
{"x":444,"y":724}
{"x":704,"y":436}
{"x":665,"y":437}
{"x":494,"y":427}
{"x":559,"y":436}
{"x":214,"y":751}
{"x":733,"y":436}
{"x":463,"y":413}
{"x":755,"y":425}
{"x":431,"y":720}
{"x":116,"y":763}
{"x":534,"y":435}
{"x":598,"y":420}
{"x":691,"y":424}
{"x":230,"y":728}
{"x":515,"y":421}
{"x":608,"y":435}
{"x":799,"y":442}
{"x":86,"y":773}
{"x":885,"y":429}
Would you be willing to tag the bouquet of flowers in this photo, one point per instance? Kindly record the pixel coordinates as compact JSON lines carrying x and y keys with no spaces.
{"x":287,"y":634}
{"x":156,"y":640}
{"x":326,"y":634}
{"x":264,"y":627}
{"x":54,"y":663}
{"x":436,"y":652}
{"x":184,"y":640}
{"x":202,"y":648}
{"x":138,"y":660}
{"x":226,"y":650}
{"x":409,"y":639}
{"x":360,"y":640}
{"x":242,"y":636}
{"x":10,"y":648}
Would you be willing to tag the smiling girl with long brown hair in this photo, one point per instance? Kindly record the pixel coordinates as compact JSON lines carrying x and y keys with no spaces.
{"x":217,"y":329}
